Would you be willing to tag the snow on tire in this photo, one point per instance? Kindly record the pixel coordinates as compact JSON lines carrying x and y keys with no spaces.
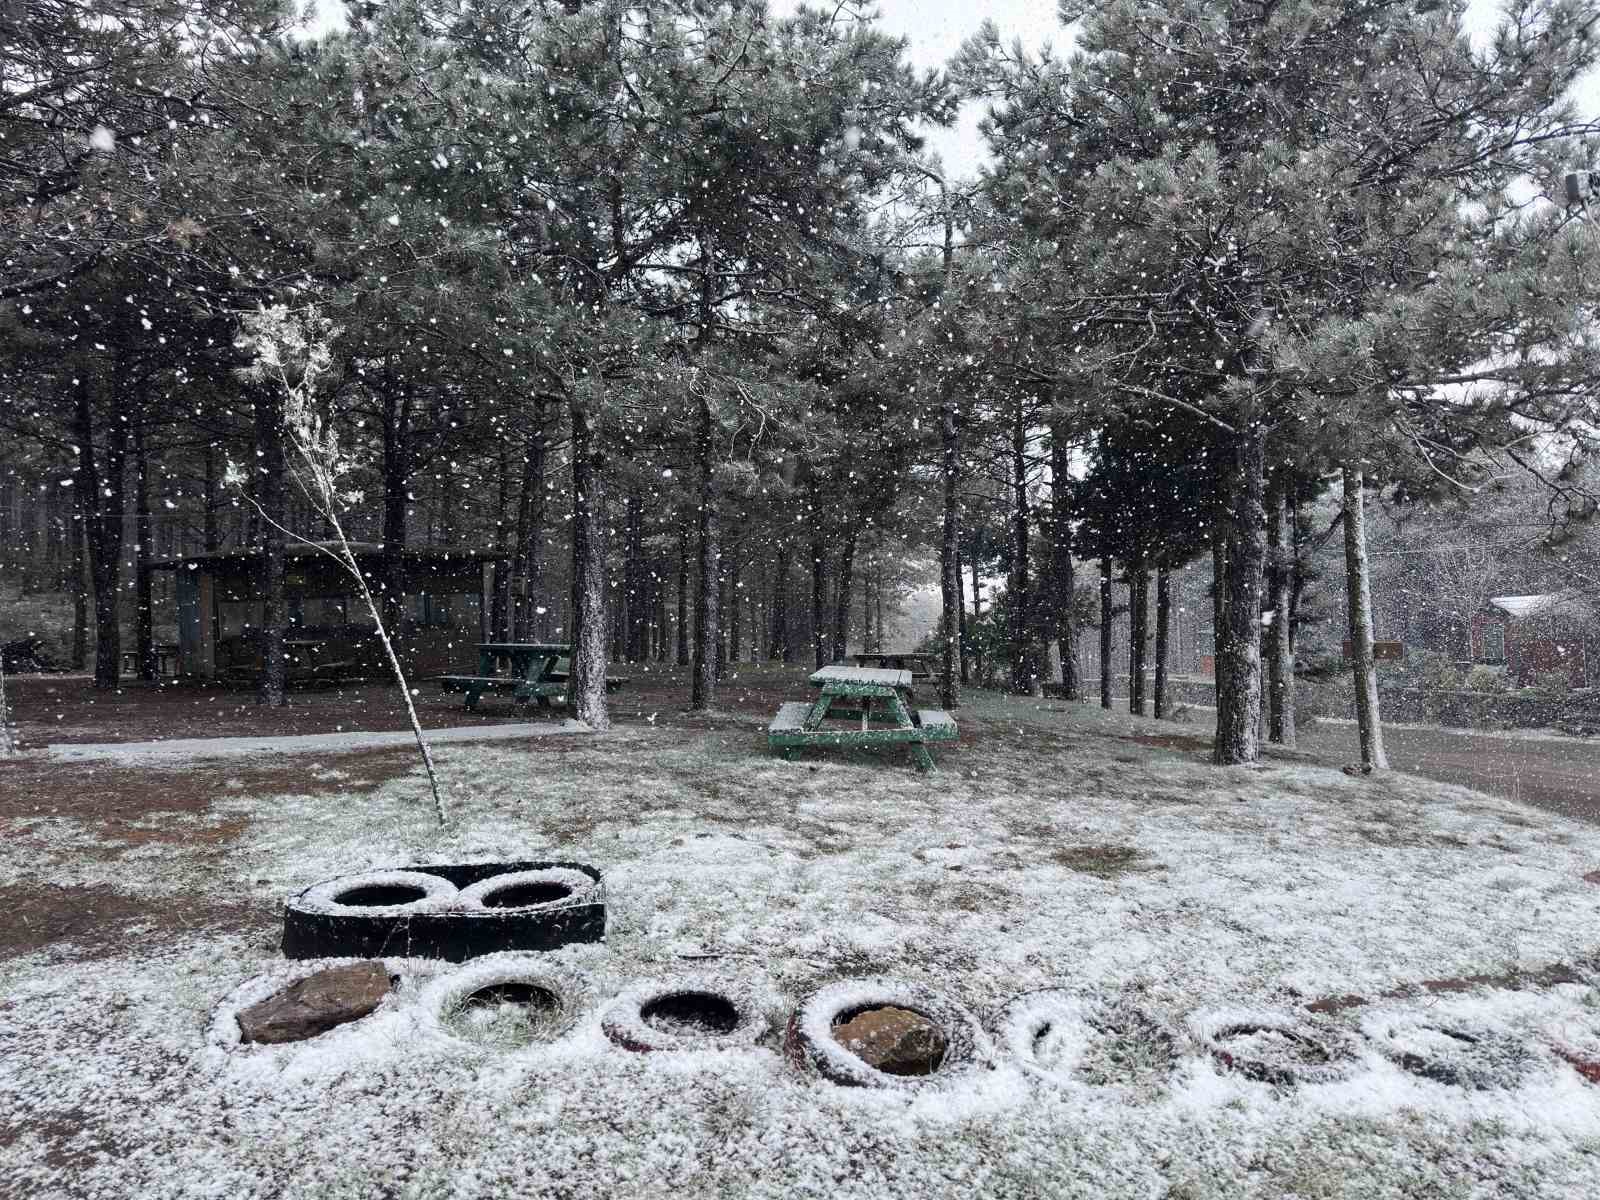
{"x":686,"y":1013}
{"x":1459,"y":1053}
{"x":379,"y":894}
{"x":1274,"y":1047}
{"x":505,"y":1001}
{"x":809,"y":1041}
{"x":1073,"y":1040}
{"x":547,"y":886}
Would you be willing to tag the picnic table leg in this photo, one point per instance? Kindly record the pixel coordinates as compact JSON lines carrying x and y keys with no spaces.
{"x":920,"y":756}
{"x":471,"y":701}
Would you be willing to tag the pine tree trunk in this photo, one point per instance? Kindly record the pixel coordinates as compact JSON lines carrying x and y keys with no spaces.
{"x":270,"y":495}
{"x":1242,"y":529}
{"x":841,"y":606}
{"x":1024,"y":659}
{"x":587,"y":682}
{"x":100,"y":485}
{"x":684,"y":636}
{"x":819,"y":597}
{"x":80,"y":588}
{"x":963,"y":636}
{"x":1163,"y":628}
{"x":635,"y":598}
{"x":1138,"y":634}
{"x":1105,"y":633}
{"x":210,"y":533}
{"x":396,"y":475}
{"x":1280,"y":643}
{"x":706,"y":634}
{"x":780,"y":605}
{"x":949,"y":542}
{"x":1061,"y":580}
{"x":735,"y":611}
{"x":525,"y":585}
{"x":1358,"y":597}
{"x":143,"y":550}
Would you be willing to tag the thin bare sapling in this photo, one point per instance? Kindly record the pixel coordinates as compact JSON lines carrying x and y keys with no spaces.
{"x":292,"y":351}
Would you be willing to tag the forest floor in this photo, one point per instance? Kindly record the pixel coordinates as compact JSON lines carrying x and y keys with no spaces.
{"x":1056,"y":846}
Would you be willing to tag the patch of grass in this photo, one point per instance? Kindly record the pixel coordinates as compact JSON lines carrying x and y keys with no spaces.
{"x":505,"y":1016}
{"x":1103,"y":861}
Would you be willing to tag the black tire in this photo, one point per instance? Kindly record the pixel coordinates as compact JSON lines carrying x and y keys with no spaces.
{"x":1273,"y":1047}
{"x":541,"y":888}
{"x":1457,"y":1053}
{"x":453,"y":931}
{"x":686,"y":1013}
{"x":809,"y":1043}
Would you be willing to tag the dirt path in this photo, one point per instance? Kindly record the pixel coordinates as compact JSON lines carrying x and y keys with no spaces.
{"x":1561,"y":776}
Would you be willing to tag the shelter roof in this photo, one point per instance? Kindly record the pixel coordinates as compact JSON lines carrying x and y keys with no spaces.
{"x":1562,"y":604}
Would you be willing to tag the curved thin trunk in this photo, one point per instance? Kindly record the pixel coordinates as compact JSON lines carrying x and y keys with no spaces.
{"x":1358,"y":600}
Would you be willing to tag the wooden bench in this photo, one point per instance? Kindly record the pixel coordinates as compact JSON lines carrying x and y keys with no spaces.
{"x":858,"y":698}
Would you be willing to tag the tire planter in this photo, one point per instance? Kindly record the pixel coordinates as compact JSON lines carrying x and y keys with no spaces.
{"x":446,"y":911}
{"x":491,"y":988}
{"x":1276,"y":1048}
{"x":1058,"y":1036}
{"x":1458,"y":1053}
{"x":810,"y":1045}
{"x":685,"y":1014}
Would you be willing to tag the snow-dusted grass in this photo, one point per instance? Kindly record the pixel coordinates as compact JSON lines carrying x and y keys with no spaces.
{"x":1049,"y":852}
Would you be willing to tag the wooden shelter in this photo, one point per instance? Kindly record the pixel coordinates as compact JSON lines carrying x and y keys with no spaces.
{"x":330,"y":631}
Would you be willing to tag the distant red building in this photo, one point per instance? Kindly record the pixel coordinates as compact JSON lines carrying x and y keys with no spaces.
{"x":1537,"y":635}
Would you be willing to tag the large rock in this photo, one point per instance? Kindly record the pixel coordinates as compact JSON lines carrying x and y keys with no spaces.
{"x":316,"y":1004}
{"x":895,"y":1040}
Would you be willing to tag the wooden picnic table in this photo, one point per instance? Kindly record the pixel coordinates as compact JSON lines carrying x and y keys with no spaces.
{"x":534,"y":672}
{"x":874,"y":704}
{"x":899,"y":660}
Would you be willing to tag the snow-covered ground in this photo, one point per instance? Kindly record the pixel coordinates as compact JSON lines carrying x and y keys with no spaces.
{"x":1049,"y":850}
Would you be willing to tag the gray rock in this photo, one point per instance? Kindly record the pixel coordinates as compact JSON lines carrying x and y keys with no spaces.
{"x":894,"y":1040}
{"x":316,"y":1004}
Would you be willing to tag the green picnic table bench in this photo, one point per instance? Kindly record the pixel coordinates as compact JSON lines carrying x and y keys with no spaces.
{"x":872,"y":707}
{"x":536,"y":672}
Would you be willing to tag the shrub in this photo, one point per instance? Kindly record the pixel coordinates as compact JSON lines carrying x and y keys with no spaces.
{"x":1484,"y":678}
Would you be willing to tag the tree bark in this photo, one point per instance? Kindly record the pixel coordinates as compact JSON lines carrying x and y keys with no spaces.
{"x":1138,"y":634}
{"x":143,"y":551}
{"x":950,"y":539}
{"x":587,"y":682}
{"x":780,"y":604}
{"x":1280,"y":641}
{"x":396,"y":475}
{"x":1024,"y":659}
{"x":80,"y":588}
{"x":525,"y":586}
{"x":100,"y":482}
{"x":270,"y":496}
{"x":209,"y":530}
{"x":1105,"y":633}
{"x":1358,"y":598}
{"x":819,"y":597}
{"x":684,"y":636}
{"x":706,"y":635}
{"x":1163,"y":628}
{"x":1241,"y":520}
{"x":1061,"y":580}
{"x":963,"y":634}
{"x":841,"y":606}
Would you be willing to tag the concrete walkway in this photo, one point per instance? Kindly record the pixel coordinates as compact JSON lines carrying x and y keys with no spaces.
{"x":307,"y":743}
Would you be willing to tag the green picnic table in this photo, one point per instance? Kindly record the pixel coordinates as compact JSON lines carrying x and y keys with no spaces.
{"x":870,"y":707}
{"x":534,"y":672}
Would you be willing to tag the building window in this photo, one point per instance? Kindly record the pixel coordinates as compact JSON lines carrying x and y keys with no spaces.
{"x":1494,"y":643}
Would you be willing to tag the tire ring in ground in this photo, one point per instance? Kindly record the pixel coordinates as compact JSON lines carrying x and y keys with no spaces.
{"x":809,"y":1043}
{"x":442,"y":929}
{"x":447,"y":993}
{"x":1472,"y":1057}
{"x":625,"y":1023}
{"x":1334,"y":1049}
{"x":1024,"y":1020}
